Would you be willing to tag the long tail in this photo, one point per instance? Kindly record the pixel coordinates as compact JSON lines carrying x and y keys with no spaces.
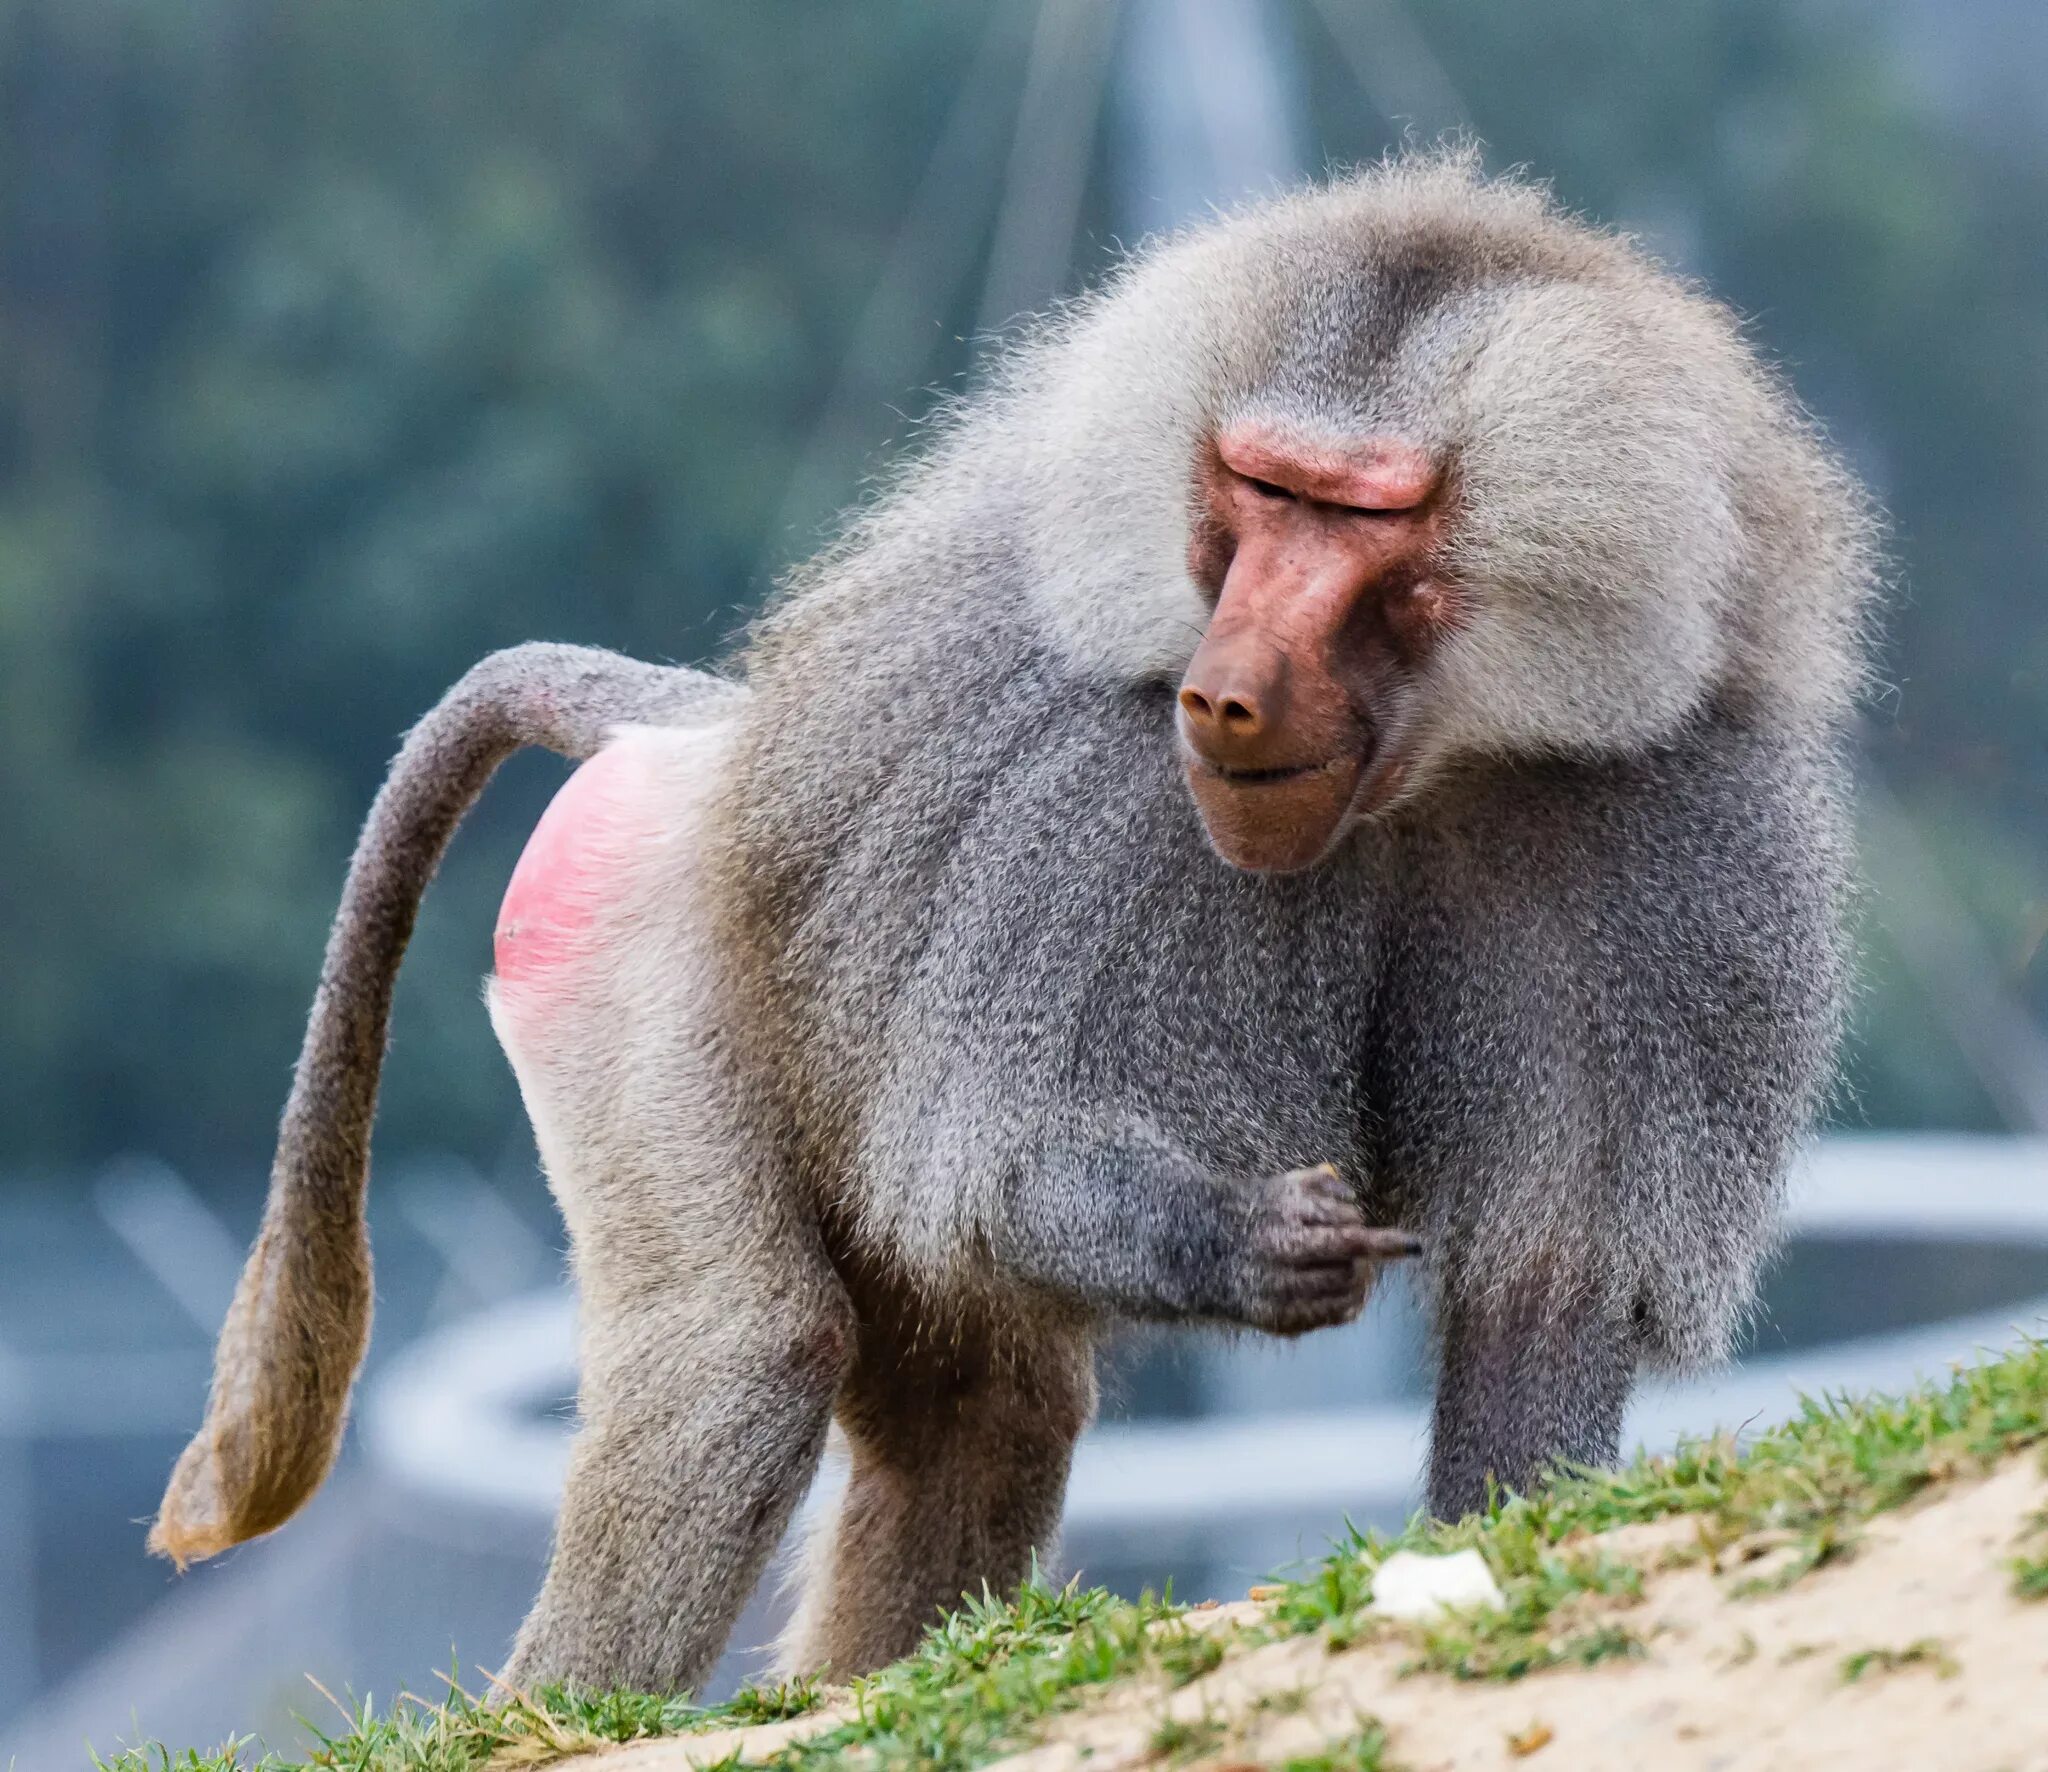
{"x":300,"y":1319}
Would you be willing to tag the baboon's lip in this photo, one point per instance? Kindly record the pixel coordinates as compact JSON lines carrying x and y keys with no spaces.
{"x":1258,"y":777}
{"x":1274,"y":820}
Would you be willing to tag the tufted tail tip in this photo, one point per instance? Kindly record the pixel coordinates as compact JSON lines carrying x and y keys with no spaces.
{"x":191,"y":1525}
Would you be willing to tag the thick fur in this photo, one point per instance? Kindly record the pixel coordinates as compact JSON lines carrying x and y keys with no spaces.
{"x":932,"y":1037}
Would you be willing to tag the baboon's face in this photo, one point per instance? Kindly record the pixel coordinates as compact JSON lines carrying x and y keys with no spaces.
{"x":1320,"y":553}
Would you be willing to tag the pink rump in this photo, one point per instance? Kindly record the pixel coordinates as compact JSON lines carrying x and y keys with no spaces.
{"x":567,"y":870}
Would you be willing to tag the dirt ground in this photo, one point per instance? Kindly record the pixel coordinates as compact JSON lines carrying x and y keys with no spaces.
{"x":1912,"y":1653}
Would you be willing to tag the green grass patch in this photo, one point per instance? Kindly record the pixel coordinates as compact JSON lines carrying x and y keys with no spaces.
{"x":2030,"y":1578}
{"x":463,"y":1732}
{"x":1927,"y":1652}
{"x":1365,"y":1750}
{"x":989,"y":1678}
{"x":1180,"y":1739}
{"x":2030,"y":1567}
{"x":1811,"y":1482}
{"x":1186,"y":1654}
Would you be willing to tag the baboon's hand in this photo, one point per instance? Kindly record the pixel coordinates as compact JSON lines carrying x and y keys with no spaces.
{"x":1309,"y":1256}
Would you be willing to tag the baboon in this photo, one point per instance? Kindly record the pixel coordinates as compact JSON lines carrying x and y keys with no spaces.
{"x":1363,"y":695}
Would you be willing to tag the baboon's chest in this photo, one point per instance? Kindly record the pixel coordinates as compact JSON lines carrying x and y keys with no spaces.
{"x":1147,"y":977}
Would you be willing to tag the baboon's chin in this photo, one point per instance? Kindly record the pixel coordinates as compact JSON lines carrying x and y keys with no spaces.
{"x":1275,"y":821}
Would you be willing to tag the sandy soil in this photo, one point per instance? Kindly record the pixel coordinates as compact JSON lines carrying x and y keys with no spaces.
{"x":1728,"y":1685}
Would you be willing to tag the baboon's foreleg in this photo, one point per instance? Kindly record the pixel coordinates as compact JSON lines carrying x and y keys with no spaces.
{"x":1537,"y":1373}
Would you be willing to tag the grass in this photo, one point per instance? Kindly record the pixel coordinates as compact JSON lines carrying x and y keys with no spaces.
{"x":462,"y":1732}
{"x":991,"y":1677}
{"x":1807,"y":1485}
{"x":1927,"y":1652}
{"x":1365,"y":1750}
{"x":982,"y":1675}
{"x":2030,"y":1578}
{"x":2030,"y":1570}
{"x":1180,"y":1739}
{"x":1185,"y":1655}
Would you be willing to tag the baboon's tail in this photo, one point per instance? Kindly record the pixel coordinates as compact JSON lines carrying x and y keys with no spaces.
{"x":300,"y":1319}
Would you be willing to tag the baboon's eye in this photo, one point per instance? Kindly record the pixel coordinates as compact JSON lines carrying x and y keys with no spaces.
{"x":1266,"y":489}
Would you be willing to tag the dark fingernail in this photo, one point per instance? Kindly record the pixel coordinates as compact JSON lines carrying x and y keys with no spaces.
{"x":1395,"y":1245}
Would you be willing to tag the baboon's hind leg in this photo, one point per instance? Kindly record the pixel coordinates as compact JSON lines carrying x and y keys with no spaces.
{"x":958,"y":1476}
{"x":714,"y":1333}
{"x":706,"y":1399}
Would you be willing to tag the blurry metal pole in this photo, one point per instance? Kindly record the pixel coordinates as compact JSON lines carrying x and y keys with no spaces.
{"x":173,"y":1233}
{"x":1047,"y":176}
{"x":926,"y":266}
{"x":1210,"y":110}
{"x":1215,"y":108}
{"x":1394,"y":66}
{"x":2003,"y":1044}
{"x":17,"y":1543}
{"x":486,"y":1248}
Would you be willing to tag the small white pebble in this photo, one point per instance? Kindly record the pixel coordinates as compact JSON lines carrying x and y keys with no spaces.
{"x":1409,"y":1585}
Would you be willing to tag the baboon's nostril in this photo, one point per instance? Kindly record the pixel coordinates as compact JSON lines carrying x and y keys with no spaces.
{"x":1235,"y":714}
{"x":1233,"y":699}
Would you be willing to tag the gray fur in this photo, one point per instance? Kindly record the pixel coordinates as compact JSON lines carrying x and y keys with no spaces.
{"x":953,"y":1041}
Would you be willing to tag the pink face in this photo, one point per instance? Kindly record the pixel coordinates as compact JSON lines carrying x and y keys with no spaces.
{"x":1295,"y":713}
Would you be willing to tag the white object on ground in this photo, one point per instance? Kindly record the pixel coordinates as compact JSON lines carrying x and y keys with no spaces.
{"x":1409,"y":1585}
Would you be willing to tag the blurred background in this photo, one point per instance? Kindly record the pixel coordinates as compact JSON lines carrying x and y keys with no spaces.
{"x":341,"y":344}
